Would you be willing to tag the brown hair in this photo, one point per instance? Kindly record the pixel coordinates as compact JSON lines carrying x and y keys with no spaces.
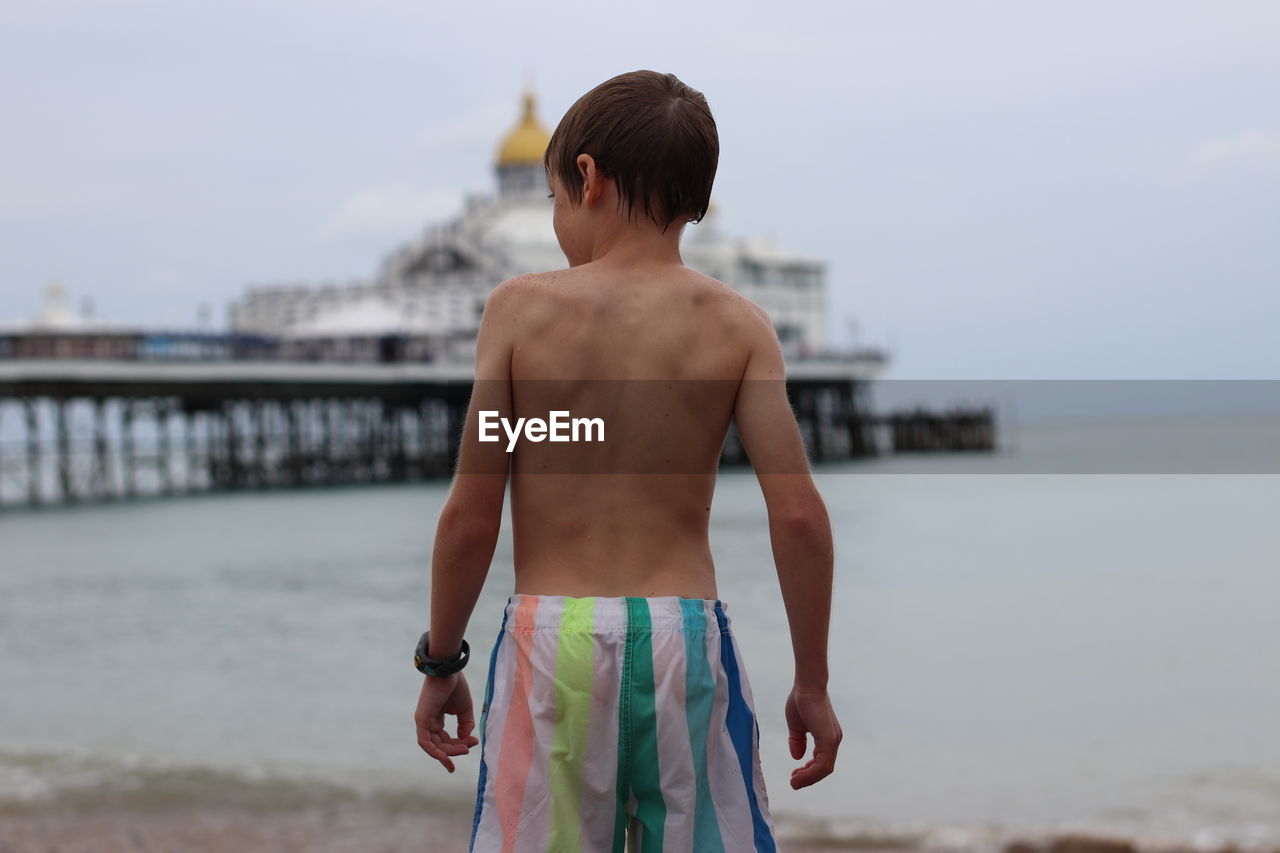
{"x":649,"y":132}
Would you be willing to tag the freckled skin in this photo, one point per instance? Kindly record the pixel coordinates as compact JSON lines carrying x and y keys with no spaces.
{"x":629,"y":516}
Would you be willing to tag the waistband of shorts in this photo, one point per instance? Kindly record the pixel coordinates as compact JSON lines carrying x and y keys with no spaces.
{"x":611,"y":614}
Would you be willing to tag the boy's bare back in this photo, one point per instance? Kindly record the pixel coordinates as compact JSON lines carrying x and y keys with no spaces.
{"x":658,"y":352}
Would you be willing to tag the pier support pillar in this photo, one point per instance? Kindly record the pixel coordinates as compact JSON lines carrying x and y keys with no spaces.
{"x":295,"y":443}
{"x":101,"y":485}
{"x":33,"y":450}
{"x":165,"y":460}
{"x":128,"y":459}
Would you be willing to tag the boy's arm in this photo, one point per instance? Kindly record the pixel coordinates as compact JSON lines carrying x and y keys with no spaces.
{"x":467,"y":531}
{"x":466,"y":536}
{"x":800,"y":532}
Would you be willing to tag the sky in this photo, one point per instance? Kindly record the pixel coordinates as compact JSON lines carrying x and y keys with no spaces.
{"x":1000,"y":190}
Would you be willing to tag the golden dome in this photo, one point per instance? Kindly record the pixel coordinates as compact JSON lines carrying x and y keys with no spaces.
{"x":527,"y":142}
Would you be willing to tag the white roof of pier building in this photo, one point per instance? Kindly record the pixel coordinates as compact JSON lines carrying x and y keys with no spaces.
{"x":366,"y":317}
{"x":56,"y":317}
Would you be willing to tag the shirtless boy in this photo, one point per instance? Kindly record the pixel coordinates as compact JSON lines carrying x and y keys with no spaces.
{"x":618,"y":708}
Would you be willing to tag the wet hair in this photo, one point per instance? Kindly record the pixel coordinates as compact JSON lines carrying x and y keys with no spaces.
{"x":649,"y":132}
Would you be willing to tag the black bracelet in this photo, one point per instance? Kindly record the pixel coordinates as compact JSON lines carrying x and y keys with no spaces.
{"x":427,"y":666}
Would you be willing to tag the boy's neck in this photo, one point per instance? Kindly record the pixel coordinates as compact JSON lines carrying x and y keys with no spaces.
{"x":627,"y":244}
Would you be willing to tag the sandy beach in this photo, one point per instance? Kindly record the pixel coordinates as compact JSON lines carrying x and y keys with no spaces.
{"x":308,"y":829}
{"x":378,"y":828}
{"x":313,"y":829}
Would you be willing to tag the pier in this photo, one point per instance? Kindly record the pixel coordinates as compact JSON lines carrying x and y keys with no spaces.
{"x":92,"y":429}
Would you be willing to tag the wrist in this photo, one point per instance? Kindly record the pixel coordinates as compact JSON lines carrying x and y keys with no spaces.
{"x":809,"y":689}
{"x":443,"y":650}
{"x":810,"y":680}
{"x":429,"y":665}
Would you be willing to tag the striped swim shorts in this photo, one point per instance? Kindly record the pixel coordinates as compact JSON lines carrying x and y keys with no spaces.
{"x":612,"y":721}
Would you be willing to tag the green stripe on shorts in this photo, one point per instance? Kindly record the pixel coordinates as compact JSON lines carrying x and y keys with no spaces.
{"x":575,"y":668}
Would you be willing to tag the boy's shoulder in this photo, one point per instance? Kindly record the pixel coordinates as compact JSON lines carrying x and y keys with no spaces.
{"x":518,"y":301}
{"x":737,"y":313}
{"x":518,"y":288}
{"x":556,"y":288}
{"x":527,"y":292}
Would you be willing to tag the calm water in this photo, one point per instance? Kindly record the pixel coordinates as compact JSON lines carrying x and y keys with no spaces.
{"x":1012,"y":652}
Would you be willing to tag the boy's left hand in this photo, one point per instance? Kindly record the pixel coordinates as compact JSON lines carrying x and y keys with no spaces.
{"x":441,"y":696}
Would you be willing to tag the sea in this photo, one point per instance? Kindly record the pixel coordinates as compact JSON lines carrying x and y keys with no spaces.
{"x":1076,"y":633}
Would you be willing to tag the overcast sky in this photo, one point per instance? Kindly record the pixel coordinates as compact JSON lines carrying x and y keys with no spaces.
{"x":1000,"y":189}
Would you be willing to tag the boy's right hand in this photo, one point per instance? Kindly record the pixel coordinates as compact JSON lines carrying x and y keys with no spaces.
{"x":441,"y":696}
{"x":810,"y":712}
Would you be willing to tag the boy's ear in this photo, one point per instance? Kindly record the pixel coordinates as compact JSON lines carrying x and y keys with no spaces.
{"x":590,"y":178}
